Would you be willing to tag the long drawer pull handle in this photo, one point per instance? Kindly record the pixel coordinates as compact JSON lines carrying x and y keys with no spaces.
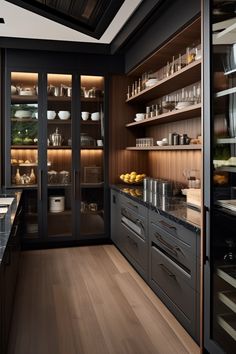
{"x":167,"y":270}
{"x":167,"y":225}
{"x":166,"y":244}
{"x":132,"y":205}
{"x":139,"y":223}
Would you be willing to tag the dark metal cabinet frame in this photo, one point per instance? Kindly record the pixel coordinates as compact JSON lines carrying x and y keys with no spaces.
{"x":76,"y":71}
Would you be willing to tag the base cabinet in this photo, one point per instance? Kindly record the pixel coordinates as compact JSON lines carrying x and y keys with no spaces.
{"x":8,"y":277}
{"x":164,"y":253}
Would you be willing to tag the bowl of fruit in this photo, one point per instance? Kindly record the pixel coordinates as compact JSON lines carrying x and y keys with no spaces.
{"x":133,"y":178}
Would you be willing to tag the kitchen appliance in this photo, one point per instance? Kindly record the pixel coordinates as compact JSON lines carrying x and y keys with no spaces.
{"x":56,"y":204}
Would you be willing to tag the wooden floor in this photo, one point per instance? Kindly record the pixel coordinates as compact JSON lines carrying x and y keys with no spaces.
{"x":89,"y":300}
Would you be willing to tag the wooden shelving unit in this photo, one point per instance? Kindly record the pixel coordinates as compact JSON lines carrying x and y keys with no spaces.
{"x":173,"y":116}
{"x":166,"y":148}
{"x":184,"y":77}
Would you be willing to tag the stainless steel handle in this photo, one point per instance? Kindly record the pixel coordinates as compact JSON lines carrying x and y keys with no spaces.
{"x":132,"y":205}
{"x":40,"y":184}
{"x":167,"y":270}
{"x":206,"y":227}
{"x":164,"y":223}
{"x":166,"y":244}
{"x":74,"y":184}
{"x":139,"y":223}
{"x":15,"y":231}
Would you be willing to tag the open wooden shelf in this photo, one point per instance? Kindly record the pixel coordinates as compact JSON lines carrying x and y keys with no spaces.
{"x":90,"y":122}
{"x":24,"y":120}
{"x":92,"y":185}
{"x":184,"y":77}
{"x":23,"y":99}
{"x":92,"y":148}
{"x":165,"y":148}
{"x":91,"y":99}
{"x":17,"y":147}
{"x":173,"y":116}
{"x":173,"y":46}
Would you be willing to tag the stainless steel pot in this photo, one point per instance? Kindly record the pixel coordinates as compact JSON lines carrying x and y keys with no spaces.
{"x":56,"y":138}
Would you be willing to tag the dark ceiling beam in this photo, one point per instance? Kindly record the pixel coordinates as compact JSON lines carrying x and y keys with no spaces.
{"x":144,"y":11}
{"x":95,"y":29}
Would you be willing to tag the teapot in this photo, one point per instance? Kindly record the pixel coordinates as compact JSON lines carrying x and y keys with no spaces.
{"x":56,"y":138}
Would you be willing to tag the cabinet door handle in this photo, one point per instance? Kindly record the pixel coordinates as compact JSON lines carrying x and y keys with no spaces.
{"x":166,"y":244}
{"x":164,"y":223}
{"x":74,"y":183}
{"x":167,"y":270}
{"x":40,"y":184}
{"x":132,"y":205}
{"x":139,"y":223}
{"x":15,"y":231}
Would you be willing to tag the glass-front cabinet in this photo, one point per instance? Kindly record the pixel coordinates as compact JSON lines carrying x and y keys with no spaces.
{"x":55,"y":153}
{"x":92,"y":156}
{"x":220,"y":176}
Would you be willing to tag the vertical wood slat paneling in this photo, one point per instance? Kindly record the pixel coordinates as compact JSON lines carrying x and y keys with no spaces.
{"x":120,"y":160}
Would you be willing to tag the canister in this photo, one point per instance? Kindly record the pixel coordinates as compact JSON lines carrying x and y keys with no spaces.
{"x":56,"y":204}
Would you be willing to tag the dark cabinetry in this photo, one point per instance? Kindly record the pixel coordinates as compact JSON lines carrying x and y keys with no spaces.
{"x":55,"y":151}
{"x":165,"y":253}
{"x":8,"y":276}
{"x":173,"y":269}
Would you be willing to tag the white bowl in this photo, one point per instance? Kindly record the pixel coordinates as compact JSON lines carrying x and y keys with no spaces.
{"x":140,"y":115}
{"x":51,"y":115}
{"x":23,"y":114}
{"x":161,"y":143}
{"x":95,"y":116}
{"x":138,"y":119}
{"x":64,"y":115}
{"x":84,"y":115}
{"x":183,"y":104}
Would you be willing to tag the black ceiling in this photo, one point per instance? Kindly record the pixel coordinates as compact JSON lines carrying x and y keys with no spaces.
{"x":91,"y":17}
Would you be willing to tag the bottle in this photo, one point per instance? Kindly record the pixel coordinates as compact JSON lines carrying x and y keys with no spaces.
{"x":32,"y":177}
{"x":18,"y":176}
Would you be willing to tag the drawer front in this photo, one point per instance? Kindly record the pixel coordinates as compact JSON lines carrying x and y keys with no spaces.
{"x":134,"y":206}
{"x":175,"y":229}
{"x":134,"y":221}
{"x":135,"y":247}
{"x":177,"y":250}
{"x":173,"y":282}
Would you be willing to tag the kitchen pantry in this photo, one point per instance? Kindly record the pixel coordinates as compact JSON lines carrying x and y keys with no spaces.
{"x":118,"y":186}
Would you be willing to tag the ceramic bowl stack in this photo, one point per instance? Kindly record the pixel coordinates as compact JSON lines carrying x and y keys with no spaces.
{"x":139,"y":117}
{"x":183,"y":104}
{"x":151,"y":82}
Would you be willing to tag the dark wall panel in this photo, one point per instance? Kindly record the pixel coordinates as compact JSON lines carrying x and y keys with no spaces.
{"x":91,"y":64}
{"x":173,"y":15}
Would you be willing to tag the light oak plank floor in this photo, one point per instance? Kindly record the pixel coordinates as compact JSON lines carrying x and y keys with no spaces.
{"x":89,"y":300}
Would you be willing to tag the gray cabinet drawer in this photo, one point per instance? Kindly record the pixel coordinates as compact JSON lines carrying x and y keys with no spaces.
{"x":171,"y":284}
{"x":175,"y":229}
{"x":134,"y":206}
{"x":136,"y":250}
{"x":178,"y":250}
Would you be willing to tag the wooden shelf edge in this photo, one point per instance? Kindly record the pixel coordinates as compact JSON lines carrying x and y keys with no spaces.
{"x":176,"y":75}
{"x":166,"y":148}
{"x":175,"y":115}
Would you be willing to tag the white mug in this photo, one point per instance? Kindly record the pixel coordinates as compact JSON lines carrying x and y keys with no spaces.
{"x":99,"y":142}
{"x":85,"y":115}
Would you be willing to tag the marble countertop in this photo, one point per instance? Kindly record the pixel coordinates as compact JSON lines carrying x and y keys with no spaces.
{"x":174,"y":208}
{"x":7,"y":220}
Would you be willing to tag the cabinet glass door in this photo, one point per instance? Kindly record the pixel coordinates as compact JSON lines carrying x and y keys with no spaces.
{"x":59,"y":155}
{"x":92,"y":157}
{"x":223,"y":211}
{"x":24,"y":145}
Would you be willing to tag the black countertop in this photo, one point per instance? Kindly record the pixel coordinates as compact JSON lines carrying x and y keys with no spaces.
{"x":7,"y":220}
{"x":174,"y":208}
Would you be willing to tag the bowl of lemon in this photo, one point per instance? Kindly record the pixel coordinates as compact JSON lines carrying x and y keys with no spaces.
{"x":133,"y":178}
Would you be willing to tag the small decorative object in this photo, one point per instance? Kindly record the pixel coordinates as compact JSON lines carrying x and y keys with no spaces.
{"x":86,"y":140}
{"x":85,"y":115}
{"x":56,"y":138}
{"x":18,"y":176}
{"x":64,"y":115}
{"x":95,"y":116}
{"x":51,"y":115}
{"x":93,"y":207}
{"x":32,"y":177}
